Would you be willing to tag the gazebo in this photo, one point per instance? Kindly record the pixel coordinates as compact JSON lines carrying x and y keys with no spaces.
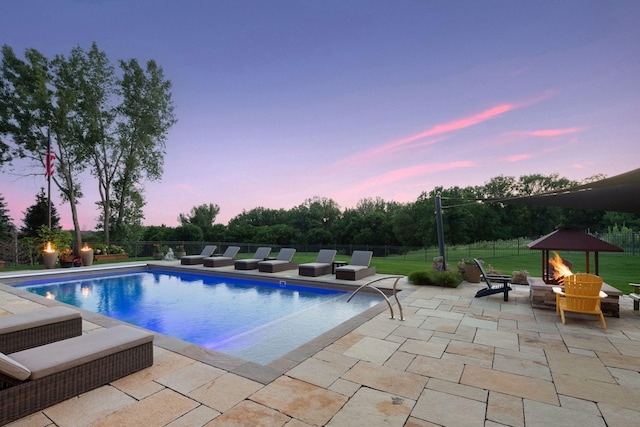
{"x":565,"y":239}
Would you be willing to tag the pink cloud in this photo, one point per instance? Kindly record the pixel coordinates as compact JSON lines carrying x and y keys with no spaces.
{"x":518,"y":157}
{"x":409,"y":172}
{"x":447,"y":127}
{"x":556,"y":132}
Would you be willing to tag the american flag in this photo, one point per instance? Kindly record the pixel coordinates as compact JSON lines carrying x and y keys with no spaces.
{"x":49,"y":160}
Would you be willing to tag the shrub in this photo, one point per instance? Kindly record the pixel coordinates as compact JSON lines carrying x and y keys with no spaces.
{"x":445,"y":279}
{"x":421,"y":278}
{"x":102,"y":249}
{"x":519,"y":277}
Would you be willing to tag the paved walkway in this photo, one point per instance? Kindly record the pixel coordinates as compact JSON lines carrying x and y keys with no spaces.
{"x":455,"y":361}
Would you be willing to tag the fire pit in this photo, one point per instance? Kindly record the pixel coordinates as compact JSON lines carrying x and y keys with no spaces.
{"x":569,"y":240}
{"x":554,"y":269}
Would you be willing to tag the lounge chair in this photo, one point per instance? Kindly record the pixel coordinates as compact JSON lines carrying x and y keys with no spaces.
{"x":252,"y":263}
{"x":227,"y":258}
{"x":197,"y":259}
{"x":38,"y":327}
{"x":34,"y":379}
{"x":281,"y":263}
{"x":321,"y":266}
{"x":357,"y":268}
{"x":581,"y":294}
{"x":496,"y":283}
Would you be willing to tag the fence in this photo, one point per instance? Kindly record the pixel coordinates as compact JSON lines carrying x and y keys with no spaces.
{"x":17,"y":253}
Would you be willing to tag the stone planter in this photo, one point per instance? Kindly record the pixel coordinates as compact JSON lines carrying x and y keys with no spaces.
{"x":111,"y":257}
{"x":87,"y":256}
{"x":471,"y":273}
{"x":49,"y":259}
{"x":158,"y":255}
{"x":179,"y":255}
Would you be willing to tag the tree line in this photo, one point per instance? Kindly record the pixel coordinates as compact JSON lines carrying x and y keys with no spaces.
{"x":468,"y":216}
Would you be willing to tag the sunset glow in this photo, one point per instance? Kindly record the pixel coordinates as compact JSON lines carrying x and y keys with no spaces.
{"x":284,"y":101}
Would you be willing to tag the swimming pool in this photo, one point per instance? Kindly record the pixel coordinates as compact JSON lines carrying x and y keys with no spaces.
{"x":253,"y":320}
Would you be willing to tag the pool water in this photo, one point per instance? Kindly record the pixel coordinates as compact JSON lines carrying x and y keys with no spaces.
{"x":252,"y":320}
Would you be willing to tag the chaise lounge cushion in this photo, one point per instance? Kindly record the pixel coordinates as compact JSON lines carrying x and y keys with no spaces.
{"x":35,"y":318}
{"x":357,"y":268}
{"x":63,"y":355}
{"x":38,"y":327}
{"x":13,"y":369}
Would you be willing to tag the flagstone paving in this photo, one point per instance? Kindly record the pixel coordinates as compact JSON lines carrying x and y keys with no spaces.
{"x":454,"y":361}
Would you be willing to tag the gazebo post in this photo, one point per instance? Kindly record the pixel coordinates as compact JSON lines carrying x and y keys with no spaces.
{"x":587,"y":261}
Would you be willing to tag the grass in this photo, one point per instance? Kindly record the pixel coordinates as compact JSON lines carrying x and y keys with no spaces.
{"x":616,"y":270}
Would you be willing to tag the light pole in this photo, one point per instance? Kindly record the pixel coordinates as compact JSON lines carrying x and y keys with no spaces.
{"x":440,"y":231}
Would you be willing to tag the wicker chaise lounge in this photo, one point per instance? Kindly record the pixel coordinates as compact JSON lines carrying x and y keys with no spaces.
{"x":38,"y":327}
{"x":321,"y":266}
{"x":198,"y":259}
{"x":34,"y":379}
{"x":281,"y":263}
{"x":252,"y":263}
{"x":357,"y":268}
{"x":227,"y":258}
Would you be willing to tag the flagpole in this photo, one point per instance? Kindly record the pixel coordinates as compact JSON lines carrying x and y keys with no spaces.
{"x":48,"y":163}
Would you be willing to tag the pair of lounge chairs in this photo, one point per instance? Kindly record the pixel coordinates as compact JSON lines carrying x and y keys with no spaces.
{"x":198,"y":259}
{"x":261,"y":262}
{"x":357,"y":268}
{"x":45,"y":359}
{"x":227,"y":258}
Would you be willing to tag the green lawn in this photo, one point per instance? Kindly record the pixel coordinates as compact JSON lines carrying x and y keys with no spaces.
{"x":616,"y":270}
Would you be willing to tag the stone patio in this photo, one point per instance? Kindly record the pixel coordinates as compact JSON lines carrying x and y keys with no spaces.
{"x":455,"y":361}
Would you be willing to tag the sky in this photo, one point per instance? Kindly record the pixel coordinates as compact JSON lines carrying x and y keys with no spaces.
{"x":281,"y":101}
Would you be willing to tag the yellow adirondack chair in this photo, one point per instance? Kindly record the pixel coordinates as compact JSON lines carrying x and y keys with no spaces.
{"x":581,"y":294}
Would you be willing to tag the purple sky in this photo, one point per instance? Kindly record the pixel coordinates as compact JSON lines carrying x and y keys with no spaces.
{"x":280,"y":101}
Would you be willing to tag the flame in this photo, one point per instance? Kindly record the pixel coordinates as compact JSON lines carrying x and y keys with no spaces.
{"x":559,"y":268}
{"x":85,"y":248}
{"x":49,"y":248}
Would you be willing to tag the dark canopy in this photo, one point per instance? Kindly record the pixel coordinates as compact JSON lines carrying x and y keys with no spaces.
{"x":617,"y":194}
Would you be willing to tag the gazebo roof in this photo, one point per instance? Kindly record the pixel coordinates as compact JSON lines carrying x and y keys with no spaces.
{"x":572,"y":240}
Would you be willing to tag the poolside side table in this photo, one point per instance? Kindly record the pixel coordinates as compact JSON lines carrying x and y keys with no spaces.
{"x":335,"y":264}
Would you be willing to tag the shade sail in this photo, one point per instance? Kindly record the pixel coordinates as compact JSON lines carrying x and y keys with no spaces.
{"x":618,"y":194}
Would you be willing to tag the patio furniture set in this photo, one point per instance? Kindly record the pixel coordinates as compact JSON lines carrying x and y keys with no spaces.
{"x":357,"y":268}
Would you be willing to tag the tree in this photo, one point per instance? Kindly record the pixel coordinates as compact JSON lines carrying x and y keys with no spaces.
{"x":144,"y":119}
{"x":40,"y":96}
{"x":188,"y":233}
{"x":202,"y":216}
{"x":6,"y":225}
{"x":37,"y":215}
